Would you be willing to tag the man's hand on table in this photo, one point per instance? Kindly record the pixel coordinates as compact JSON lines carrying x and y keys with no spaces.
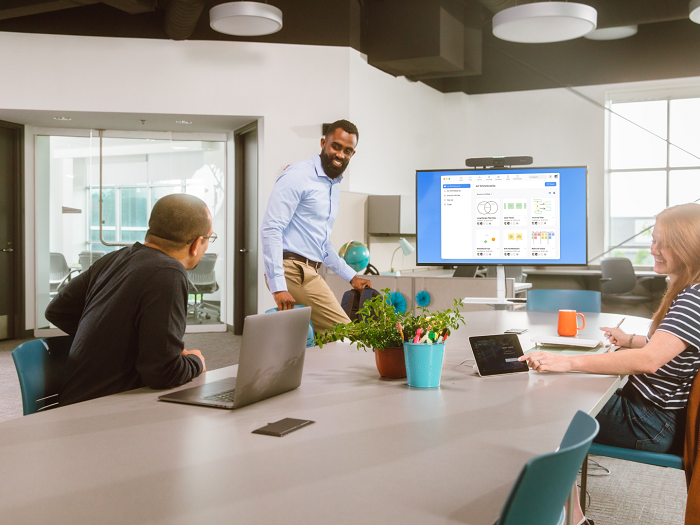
{"x":284,"y":300}
{"x":358,"y":283}
{"x":198,"y":354}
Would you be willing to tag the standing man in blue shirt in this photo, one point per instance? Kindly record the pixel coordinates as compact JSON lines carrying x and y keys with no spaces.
{"x":296,"y":230}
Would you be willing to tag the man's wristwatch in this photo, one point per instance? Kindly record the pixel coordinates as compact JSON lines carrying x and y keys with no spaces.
{"x":629,"y":343}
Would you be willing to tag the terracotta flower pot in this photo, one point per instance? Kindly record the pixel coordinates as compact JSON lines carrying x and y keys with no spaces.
{"x":391,"y":362}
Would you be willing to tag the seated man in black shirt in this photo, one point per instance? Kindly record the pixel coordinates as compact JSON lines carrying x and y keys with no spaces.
{"x":129,"y":309}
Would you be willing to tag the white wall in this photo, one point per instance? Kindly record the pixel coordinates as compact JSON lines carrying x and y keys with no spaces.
{"x":294,"y":89}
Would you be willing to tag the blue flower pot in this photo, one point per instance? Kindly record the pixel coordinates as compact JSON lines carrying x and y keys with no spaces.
{"x":423,"y":364}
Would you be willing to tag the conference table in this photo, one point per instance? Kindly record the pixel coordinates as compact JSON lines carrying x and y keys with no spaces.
{"x":379,"y":451}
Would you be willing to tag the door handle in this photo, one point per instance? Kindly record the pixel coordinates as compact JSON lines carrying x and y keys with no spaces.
{"x":7,"y":250}
{"x":244,"y":250}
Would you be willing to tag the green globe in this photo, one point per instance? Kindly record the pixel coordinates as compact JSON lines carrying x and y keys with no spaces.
{"x":355,"y":254}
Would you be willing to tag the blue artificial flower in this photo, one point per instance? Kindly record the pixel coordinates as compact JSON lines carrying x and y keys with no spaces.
{"x":423,"y":298}
{"x":398,"y":301}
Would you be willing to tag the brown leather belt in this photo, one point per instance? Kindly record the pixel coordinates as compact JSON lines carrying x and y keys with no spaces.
{"x":296,"y":257}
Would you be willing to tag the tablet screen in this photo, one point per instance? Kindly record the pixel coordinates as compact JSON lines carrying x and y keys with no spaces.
{"x":498,"y":354}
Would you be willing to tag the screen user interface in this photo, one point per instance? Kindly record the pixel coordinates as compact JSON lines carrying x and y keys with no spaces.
{"x":524,"y":216}
{"x":498,"y":354}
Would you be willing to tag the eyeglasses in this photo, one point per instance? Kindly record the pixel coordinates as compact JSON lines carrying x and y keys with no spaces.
{"x":212,"y":238}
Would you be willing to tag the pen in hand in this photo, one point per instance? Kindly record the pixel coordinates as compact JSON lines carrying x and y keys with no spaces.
{"x":609,"y":334}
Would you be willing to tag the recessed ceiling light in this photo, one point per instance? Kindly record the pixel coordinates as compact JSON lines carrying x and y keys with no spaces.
{"x":245,"y":18}
{"x":541,"y":22}
{"x":62,"y":118}
{"x":695,"y":11}
{"x":183,"y":122}
{"x":612,"y":33}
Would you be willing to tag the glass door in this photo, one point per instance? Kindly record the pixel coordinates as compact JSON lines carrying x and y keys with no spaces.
{"x":136,"y":172}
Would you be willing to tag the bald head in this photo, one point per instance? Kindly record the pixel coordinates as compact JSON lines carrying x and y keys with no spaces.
{"x":176,"y":220}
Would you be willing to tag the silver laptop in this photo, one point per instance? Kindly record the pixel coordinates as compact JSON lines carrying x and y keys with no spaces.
{"x":270,"y":363}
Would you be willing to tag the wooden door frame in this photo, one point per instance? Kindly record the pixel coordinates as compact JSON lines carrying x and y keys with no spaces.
{"x":20,"y":332}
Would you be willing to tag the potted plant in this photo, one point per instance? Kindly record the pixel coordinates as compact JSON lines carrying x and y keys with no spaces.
{"x":376,"y":328}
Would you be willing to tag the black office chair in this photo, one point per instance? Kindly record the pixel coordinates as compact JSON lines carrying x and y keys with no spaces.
{"x":619,"y":280}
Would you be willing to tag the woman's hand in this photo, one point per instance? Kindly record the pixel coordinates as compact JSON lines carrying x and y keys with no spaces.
{"x":547,"y":362}
{"x":616,"y":336}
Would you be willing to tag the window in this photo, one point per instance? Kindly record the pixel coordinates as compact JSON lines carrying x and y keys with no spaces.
{"x":654,"y":163}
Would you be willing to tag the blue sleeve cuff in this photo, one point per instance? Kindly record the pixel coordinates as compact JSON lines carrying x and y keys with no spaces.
{"x":346,"y":273}
{"x":278,"y":284}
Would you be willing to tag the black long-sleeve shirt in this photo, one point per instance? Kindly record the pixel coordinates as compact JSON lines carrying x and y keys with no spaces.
{"x":128,"y":313}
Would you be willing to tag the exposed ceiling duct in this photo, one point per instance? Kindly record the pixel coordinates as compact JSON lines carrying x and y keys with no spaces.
{"x":437,"y":38}
{"x":47,"y":6}
{"x":181,"y":17}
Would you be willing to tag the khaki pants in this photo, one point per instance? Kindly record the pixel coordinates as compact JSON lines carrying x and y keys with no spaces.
{"x":309,"y":289}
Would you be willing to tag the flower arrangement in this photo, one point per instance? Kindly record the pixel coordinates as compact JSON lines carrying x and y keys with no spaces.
{"x":378,"y":320}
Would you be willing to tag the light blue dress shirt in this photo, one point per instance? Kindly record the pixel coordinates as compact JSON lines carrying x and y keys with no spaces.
{"x":299,"y":218}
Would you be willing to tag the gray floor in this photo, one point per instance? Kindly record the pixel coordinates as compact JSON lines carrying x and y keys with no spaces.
{"x":631,"y":494}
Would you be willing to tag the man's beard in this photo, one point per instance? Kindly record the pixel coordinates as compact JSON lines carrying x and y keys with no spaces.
{"x":329,"y":168}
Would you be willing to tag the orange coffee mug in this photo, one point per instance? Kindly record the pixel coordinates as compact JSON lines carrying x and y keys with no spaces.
{"x":568,"y":325}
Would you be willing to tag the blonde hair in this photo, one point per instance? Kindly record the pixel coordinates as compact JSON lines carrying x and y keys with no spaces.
{"x":679,"y":232}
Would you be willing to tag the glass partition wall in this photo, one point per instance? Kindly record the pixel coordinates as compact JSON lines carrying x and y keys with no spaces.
{"x":136,"y":172}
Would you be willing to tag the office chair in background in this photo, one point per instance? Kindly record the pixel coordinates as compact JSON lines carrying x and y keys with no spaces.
{"x":200,"y":281}
{"x":59,"y":273}
{"x":87,"y":258}
{"x":619,"y":280}
{"x":545,"y":482}
{"x":554,"y":300}
{"x":40,"y":367}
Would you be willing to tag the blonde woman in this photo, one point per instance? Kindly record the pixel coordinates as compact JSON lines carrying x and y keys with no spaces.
{"x":648,"y":413}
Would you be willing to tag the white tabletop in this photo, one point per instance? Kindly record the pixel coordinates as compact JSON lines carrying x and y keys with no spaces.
{"x":379,"y":452}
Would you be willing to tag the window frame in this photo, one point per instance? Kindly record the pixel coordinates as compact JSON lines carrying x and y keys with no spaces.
{"x":622,"y":97}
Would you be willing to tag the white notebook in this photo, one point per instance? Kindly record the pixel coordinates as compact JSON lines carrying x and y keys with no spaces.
{"x":553,"y":340}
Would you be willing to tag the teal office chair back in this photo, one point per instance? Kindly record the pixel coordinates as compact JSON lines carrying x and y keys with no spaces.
{"x":545,"y":482}
{"x":40,"y":367}
{"x":310,"y":337}
{"x":554,"y":300}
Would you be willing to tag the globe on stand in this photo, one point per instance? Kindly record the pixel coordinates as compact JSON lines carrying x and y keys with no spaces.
{"x":355,"y":254}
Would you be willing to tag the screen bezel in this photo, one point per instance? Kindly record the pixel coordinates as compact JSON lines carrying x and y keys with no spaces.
{"x":498,"y":372}
{"x":487,"y":263}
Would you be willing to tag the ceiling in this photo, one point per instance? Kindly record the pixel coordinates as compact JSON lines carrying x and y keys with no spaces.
{"x":448,"y":44}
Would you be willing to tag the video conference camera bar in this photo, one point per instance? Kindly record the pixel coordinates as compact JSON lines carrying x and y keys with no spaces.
{"x":498,"y":162}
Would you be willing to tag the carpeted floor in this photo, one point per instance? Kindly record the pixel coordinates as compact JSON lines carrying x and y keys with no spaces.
{"x":631,"y":494}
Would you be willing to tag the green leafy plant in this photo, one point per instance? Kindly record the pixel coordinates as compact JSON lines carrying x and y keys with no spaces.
{"x":376,"y":327}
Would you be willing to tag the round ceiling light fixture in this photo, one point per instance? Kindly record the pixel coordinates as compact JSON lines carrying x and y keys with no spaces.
{"x":695,"y":11}
{"x":612,"y":33}
{"x":245,"y":18}
{"x":542,"y":22}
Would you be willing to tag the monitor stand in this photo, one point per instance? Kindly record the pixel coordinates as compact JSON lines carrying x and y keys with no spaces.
{"x":500,"y":288}
{"x":501,"y":282}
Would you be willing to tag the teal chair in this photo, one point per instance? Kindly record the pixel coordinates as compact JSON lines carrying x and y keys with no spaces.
{"x":311,"y":336}
{"x":40,"y":367}
{"x":554,"y":300}
{"x":545,"y":482}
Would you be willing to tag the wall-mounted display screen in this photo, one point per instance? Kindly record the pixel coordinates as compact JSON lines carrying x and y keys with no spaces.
{"x":533,"y":216}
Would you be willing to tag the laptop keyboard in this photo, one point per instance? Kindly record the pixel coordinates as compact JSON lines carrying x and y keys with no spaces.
{"x":226,"y":395}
